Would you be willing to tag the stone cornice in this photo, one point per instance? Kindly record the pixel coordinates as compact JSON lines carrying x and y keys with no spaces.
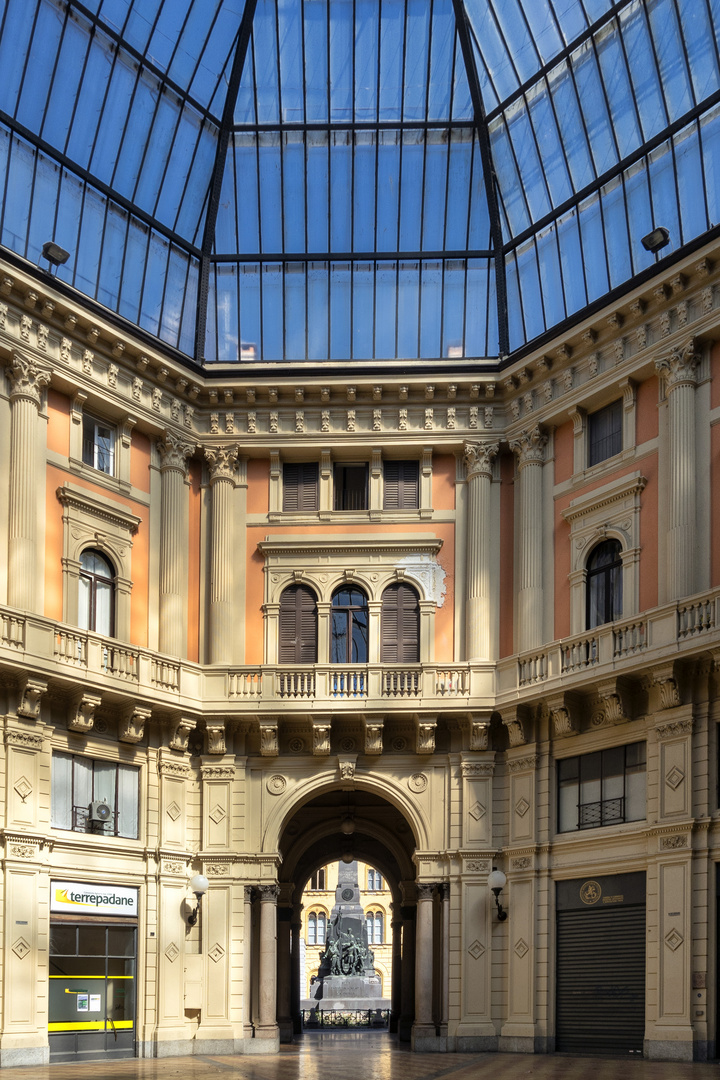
{"x":341,"y":545}
{"x":77,"y":498}
{"x":610,"y":493}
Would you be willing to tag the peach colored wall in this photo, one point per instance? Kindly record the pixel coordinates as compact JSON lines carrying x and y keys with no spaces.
{"x":646,"y":416}
{"x":507,"y":541}
{"x":443,"y":482}
{"x":258,"y":496}
{"x":444,"y":618}
{"x":140,"y":461}
{"x":58,"y":429}
{"x":193,"y":643}
{"x":54,"y":548}
{"x":648,"y":541}
{"x":563,"y":449}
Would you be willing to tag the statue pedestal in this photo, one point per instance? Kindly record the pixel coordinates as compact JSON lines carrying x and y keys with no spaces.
{"x":346,"y":993}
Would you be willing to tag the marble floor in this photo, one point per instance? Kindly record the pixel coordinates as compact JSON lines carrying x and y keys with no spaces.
{"x":369,"y":1056}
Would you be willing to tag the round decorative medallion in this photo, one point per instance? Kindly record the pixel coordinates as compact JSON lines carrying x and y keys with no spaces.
{"x":296,"y":746}
{"x":418,"y":782}
{"x":347,"y":894}
{"x":100,"y":726}
{"x":590,"y":892}
{"x":399,"y":744}
{"x":347,"y":745}
{"x":276,"y":784}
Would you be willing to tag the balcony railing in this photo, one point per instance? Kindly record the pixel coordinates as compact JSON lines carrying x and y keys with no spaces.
{"x":65,"y":652}
{"x":592,"y":815}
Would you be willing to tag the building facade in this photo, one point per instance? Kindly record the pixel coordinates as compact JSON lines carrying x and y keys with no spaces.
{"x":249,"y":625}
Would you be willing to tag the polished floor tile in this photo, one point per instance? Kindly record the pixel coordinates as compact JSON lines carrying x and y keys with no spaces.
{"x":369,"y":1056}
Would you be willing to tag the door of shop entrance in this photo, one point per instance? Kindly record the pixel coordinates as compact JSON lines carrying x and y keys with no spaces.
{"x":92,"y":989}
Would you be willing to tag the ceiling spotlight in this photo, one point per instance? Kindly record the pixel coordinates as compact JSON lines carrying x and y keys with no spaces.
{"x":656,"y":239}
{"x":54,"y":254}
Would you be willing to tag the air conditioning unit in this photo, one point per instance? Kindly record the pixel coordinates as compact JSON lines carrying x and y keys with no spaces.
{"x":99,"y":811}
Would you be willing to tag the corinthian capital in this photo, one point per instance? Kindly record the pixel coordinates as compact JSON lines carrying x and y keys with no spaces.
{"x":27,"y":378}
{"x":530,"y":446}
{"x":680,"y":366}
{"x":479,"y":458}
{"x":221,"y":460}
{"x":174,"y":451}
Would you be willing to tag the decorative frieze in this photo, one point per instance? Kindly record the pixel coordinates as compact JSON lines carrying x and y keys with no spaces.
{"x":674,"y":729}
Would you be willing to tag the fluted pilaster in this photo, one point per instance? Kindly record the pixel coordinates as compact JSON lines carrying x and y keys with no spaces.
{"x":478,"y":460}
{"x":423,"y":1025}
{"x":174,"y":453}
{"x":27,"y":381}
{"x":221,"y":460}
{"x":679,"y":370}
{"x":267,"y":991}
{"x":530,"y":450}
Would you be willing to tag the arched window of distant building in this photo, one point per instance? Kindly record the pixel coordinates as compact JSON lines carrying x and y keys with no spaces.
{"x":349,"y":634}
{"x":374,"y":879}
{"x":312,"y":929}
{"x":96,"y":598}
{"x":317,"y":928}
{"x":374,"y":925}
{"x":317,"y":880}
{"x":603,"y":595}
{"x":321,"y":928}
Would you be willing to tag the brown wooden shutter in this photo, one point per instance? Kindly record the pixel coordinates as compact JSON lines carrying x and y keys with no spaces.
{"x":400,"y":625}
{"x":300,"y":486}
{"x":298,"y":626}
{"x":401,"y":487}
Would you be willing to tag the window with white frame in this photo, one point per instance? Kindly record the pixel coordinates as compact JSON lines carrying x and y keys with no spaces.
{"x":374,"y":880}
{"x":96,"y":598}
{"x":317,"y":880}
{"x":317,"y":928}
{"x":375,"y":927}
{"x":603,"y":584}
{"x":95,"y":796}
{"x":98,"y":444}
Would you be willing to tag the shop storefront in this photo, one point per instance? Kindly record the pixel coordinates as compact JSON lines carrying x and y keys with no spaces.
{"x":93,"y":960}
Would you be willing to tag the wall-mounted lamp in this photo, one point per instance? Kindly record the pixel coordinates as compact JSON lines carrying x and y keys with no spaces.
{"x":656,"y":239}
{"x":199,"y":885}
{"x":54,"y":254}
{"x":496,"y":881}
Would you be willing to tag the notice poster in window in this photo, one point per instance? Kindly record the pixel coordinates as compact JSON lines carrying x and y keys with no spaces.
{"x":82,"y":1003}
{"x":95,"y":1003}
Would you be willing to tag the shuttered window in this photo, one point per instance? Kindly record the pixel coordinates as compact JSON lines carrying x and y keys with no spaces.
{"x":400,"y":625}
{"x":300,"y":486}
{"x":401,"y":488}
{"x":298,"y":626}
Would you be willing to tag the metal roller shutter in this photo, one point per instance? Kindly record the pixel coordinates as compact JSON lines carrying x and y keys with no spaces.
{"x":600,"y":981}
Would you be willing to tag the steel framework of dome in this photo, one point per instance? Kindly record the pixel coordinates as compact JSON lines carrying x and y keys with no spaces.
{"x":376,"y":181}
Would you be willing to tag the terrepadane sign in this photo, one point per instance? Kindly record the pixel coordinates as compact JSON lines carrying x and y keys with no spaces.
{"x":81,"y":898}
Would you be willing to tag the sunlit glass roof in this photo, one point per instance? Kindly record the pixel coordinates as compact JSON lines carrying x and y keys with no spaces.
{"x":363,"y":180}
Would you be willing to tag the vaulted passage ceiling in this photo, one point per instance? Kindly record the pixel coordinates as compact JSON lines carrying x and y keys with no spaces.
{"x":366,"y":180}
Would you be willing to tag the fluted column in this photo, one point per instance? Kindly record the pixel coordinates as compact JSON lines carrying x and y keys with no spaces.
{"x":679,"y":370}
{"x":478,"y":461}
{"x":267,"y":992}
{"x":221,"y":460}
{"x":530,"y":450}
{"x":174,"y":453}
{"x":424,"y":1026}
{"x":27,"y":381}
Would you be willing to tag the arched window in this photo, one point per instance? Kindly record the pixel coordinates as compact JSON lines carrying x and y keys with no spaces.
{"x":312,"y":929}
{"x":603,"y":589}
{"x":374,"y":879}
{"x":349,"y":635}
{"x":400,"y":621}
{"x":96,"y":598}
{"x":317,"y":928}
{"x":298,"y":626}
{"x":374,"y":925}
{"x":317,"y":880}
{"x":321,"y":927}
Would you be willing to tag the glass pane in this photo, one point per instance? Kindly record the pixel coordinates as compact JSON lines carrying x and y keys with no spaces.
{"x":127,"y":802}
{"x":61,"y":814}
{"x":121,"y":941}
{"x":91,"y":941}
{"x":63,"y":940}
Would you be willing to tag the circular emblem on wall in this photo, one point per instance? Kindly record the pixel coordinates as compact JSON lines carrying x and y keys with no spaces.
{"x":347,"y":894}
{"x":100,"y":726}
{"x":296,"y":746}
{"x":399,"y":744}
{"x":347,"y":745}
{"x":418,"y":782}
{"x":590,"y":892}
{"x":276,"y":784}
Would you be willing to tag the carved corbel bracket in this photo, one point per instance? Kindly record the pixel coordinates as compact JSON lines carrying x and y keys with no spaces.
{"x":31,"y":698}
{"x":180,"y":732}
{"x":215,"y":736}
{"x":131,"y":728}
{"x":516,"y":720}
{"x":615,"y":703}
{"x":564,"y":712}
{"x":82,"y":715}
{"x":269,"y":746}
{"x":425,"y":727}
{"x":477,"y":729}
{"x":346,"y":767}
{"x":321,"y":736}
{"x":373,"y":734}
{"x":666,"y":679}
